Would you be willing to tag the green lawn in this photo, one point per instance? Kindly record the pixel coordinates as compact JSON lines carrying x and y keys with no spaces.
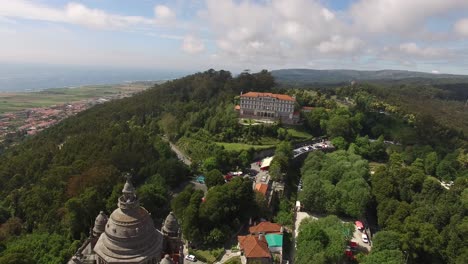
{"x":208,"y":256}
{"x":234,"y":260}
{"x":298,"y":133}
{"x":241,"y":146}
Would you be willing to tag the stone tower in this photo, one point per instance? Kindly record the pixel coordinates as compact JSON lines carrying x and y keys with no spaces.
{"x":129,"y":234}
{"x":173,"y":244}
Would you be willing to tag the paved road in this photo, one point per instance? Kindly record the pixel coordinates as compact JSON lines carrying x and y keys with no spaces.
{"x":182,"y":157}
{"x":185,"y":159}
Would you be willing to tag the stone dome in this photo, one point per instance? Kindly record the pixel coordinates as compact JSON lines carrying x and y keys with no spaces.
{"x":100,"y":224}
{"x":167,"y":260}
{"x":130,"y":235}
{"x":171,"y":226}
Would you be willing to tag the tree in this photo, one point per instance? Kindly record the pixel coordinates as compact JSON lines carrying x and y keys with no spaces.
{"x":386,"y":240}
{"x":154,"y":197}
{"x":275,"y":171}
{"x":430,"y":163}
{"x":214,"y":177}
{"x":285,"y":214}
{"x":38,"y":248}
{"x":384,"y":257}
{"x":210,"y":164}
{"x":340,"y":143}
{"x":170,"y":125}
{"x":312,"y":120}
{"x":323,"y":239}
{"x":336,"y":183}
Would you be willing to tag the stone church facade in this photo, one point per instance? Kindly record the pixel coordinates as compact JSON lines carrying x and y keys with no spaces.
{"x":128,"y":235}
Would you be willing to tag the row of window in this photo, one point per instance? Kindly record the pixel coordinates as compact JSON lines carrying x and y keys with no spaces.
{"x":281,"y":109}
{"x":266,"y":101}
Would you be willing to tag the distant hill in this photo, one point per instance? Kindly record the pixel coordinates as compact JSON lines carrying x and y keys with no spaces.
{"x":309,"y":76}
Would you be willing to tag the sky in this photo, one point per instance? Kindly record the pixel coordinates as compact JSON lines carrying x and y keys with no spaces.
{"x":195,"y":35}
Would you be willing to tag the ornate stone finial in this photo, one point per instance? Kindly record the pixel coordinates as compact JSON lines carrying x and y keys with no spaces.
{"x":128,"y":199}
{"x":128,"y":187}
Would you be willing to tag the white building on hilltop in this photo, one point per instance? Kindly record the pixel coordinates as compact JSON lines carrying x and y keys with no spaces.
{"x":268,"y":106}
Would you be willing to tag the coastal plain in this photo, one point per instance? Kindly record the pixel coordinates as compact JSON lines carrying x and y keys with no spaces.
{"x":17,"y":101}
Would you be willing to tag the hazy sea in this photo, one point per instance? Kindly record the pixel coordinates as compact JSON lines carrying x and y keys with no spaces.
{"x":34,"y":77}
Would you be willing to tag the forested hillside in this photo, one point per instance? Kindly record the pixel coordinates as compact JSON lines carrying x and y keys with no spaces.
{"x":396,"y":167}
{"x":55,"y":184}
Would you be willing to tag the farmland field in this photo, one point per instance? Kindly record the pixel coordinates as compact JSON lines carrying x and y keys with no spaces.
{"x":11,"y":101}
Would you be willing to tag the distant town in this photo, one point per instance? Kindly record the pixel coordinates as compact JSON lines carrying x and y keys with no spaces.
{"x":30,"y":121}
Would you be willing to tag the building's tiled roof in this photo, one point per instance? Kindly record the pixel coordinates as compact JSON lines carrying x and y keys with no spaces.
{"x":253,"y":247}
{"x":265,"y":227}
{"x":277,"y":96}
{"x":262,"y":188}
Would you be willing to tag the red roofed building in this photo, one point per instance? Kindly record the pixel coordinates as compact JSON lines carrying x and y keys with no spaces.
{"x":266,"y":228}
{"x":268,"y":106}
{"x":262,"y":188}
{"x":255,"y":249}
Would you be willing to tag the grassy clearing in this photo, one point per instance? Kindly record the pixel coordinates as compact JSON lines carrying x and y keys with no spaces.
{"x":241,"y":146}
{"x":235,"y":260}
{"x":298,"y":133}
{"x":10,"y":102}
{"x":374,"y":165}
{"x":208,"y":256}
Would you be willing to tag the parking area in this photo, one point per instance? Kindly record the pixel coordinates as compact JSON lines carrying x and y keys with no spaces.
{"x":259,"y":176}
{"x":324,"y":145}
{"x":357,"y":237}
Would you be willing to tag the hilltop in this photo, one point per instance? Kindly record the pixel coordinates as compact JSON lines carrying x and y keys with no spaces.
{"x":310,"y":76}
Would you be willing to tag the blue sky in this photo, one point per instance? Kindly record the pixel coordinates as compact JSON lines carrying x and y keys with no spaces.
{"x":194,"y":35}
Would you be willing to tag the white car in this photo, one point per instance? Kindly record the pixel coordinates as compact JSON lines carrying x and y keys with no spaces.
{"x":364,"y":238}
{"x":191,"y":258}
{"x":263,"y":178}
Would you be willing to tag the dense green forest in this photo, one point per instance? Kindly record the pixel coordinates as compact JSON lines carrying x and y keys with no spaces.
{"x":54,"y":184}
{"x":57,"y":182}
{"x":410,"y":154}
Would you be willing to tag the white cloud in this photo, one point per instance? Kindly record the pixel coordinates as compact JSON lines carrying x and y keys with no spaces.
{"x":399,"y":16}
{"x":413,"y":49}
{"x":192,"y":45}
{"x":163,"y":12}
{"x":276,"y":31}
{"x":435,"y":72}
{"x":73,"y":13}
{"x":338,"y":44}
{"x":461,"y":27}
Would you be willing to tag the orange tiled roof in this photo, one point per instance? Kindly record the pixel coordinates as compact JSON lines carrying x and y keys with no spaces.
{"x":253,"y":247}
{"x":262,"y":188}
{"x":265,"y":227}
{"x":277,"y":96}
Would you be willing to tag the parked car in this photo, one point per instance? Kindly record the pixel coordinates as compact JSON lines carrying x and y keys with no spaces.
{"x":191,"y":258}
{"x":263,"y":178}
{"x":364,"y":238}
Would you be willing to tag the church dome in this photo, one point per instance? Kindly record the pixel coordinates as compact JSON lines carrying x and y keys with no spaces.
{"x":171,"y":226}
{"x":100,"y":224}
{"x":130,"y":235}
